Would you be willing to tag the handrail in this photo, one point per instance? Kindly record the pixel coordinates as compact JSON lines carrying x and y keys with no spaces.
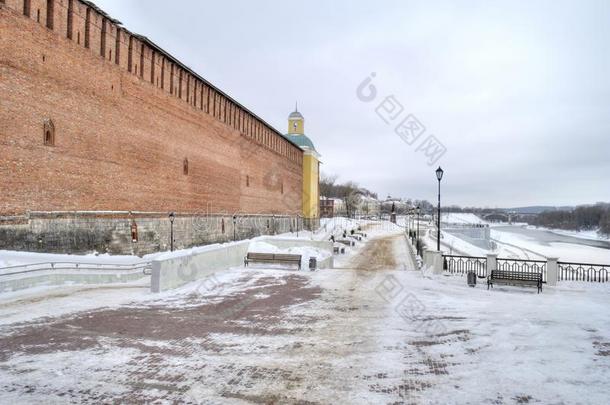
{"x":75,"y":263}
{"x":466,"y":257}
{"x":585,"y":264}
{"x":55,"y":266}
{"x":522,"y":260}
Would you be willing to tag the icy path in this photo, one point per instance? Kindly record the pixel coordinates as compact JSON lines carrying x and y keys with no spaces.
{"x":371,"y":332}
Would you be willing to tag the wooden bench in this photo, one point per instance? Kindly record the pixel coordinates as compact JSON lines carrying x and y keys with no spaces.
{"x":347,"y":242}
{"x":515,"y":278}
{"x":272,"y":258}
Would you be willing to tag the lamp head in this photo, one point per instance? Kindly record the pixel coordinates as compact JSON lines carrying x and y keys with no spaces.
{"x":439,"y":173}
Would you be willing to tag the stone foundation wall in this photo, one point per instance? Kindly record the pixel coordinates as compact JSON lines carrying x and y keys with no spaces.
{"x":135,"y":233}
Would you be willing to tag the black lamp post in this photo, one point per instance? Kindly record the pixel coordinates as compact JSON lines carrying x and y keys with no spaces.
{"x":172,"y":216}
{"x":417,"y":235}
{"x":439,"y":176}
{"x":234,"y":227}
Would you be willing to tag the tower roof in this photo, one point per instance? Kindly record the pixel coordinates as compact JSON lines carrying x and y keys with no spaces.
{"x":295,"y":115}
{"x":302,"y":140}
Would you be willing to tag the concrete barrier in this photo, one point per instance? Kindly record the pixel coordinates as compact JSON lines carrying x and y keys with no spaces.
{"x":176,"y":269}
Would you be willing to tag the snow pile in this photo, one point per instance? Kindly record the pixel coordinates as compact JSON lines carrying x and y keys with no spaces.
{"x":462,"y":218}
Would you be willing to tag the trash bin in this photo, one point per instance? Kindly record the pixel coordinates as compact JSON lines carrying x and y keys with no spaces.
{"x":313,"y":263}
{"x":472,"y":278}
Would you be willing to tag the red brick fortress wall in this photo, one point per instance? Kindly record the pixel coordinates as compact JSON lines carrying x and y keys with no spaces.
{"x":131,"y":128}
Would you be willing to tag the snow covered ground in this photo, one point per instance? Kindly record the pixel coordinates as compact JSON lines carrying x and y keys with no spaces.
{"x":371,"y":331}
{"x":524,"y":242}
{"x":463,"y":218}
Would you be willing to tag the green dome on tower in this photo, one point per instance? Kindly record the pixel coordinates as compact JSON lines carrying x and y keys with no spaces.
{"x":300,"y":139}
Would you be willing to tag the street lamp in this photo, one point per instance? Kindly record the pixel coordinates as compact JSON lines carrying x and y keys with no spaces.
{"x":439,"y":176}
{"x":234,"y":227}
{"x":417,"y":235}
{"x":172,"y":216}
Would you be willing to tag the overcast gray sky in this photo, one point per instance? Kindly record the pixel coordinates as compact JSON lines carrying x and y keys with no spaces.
{"x":517,"y":91}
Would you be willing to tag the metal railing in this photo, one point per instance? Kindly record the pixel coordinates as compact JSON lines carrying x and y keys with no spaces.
{"x":145,"y":267}
{"x":465,"y":264}
{"x":566,"y":271}
{"x":583,"y":272}
{"x":523,"y":266}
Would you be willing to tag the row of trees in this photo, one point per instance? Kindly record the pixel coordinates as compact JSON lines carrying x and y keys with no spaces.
{"x":331,"y":189}
{"x":350,"y":192}
{"x":582,"y":218}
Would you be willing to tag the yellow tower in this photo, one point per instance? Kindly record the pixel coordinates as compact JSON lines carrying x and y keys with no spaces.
{"x":311,"y":166}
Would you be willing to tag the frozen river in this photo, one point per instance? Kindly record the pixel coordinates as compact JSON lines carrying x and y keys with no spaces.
{"x":549,"y":244}
{"x":545,"y":237}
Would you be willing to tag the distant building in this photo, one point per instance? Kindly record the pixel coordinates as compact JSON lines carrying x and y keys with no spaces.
{"x":327,"y":207}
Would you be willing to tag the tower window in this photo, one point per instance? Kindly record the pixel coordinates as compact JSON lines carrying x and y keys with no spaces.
{"x":185,"y":167}
{"x":49,"y":132}
{"x":247,"y":181}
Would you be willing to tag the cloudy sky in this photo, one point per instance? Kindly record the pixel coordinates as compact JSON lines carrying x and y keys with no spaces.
{"x":517,"y":92}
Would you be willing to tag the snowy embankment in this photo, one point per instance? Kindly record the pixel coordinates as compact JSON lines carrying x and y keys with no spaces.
{"x":462,"y":218}
{"x":516,"y":245}
{"x":42,"y":269}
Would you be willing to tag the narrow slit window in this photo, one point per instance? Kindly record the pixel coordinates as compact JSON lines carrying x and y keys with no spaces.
{"x":152,"y":68}
{"x":27,"y":6}
{"x":50,"y":13}
{"x":103,"y":39}
{"x":163,"y":73}
{"x":117,"y":47}
{"x":70,"y":21}
{"x":87,"y":27}
{"x":142,"y":61}
{"x":130,"y":54}
{"x":49,"y":133}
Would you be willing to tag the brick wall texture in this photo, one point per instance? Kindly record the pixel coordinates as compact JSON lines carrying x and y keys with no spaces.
{"x":130,"y":128}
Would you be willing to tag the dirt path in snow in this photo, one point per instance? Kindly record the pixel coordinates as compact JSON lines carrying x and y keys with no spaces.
{"x":386,"y":253}
{"x":378,"y":254}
